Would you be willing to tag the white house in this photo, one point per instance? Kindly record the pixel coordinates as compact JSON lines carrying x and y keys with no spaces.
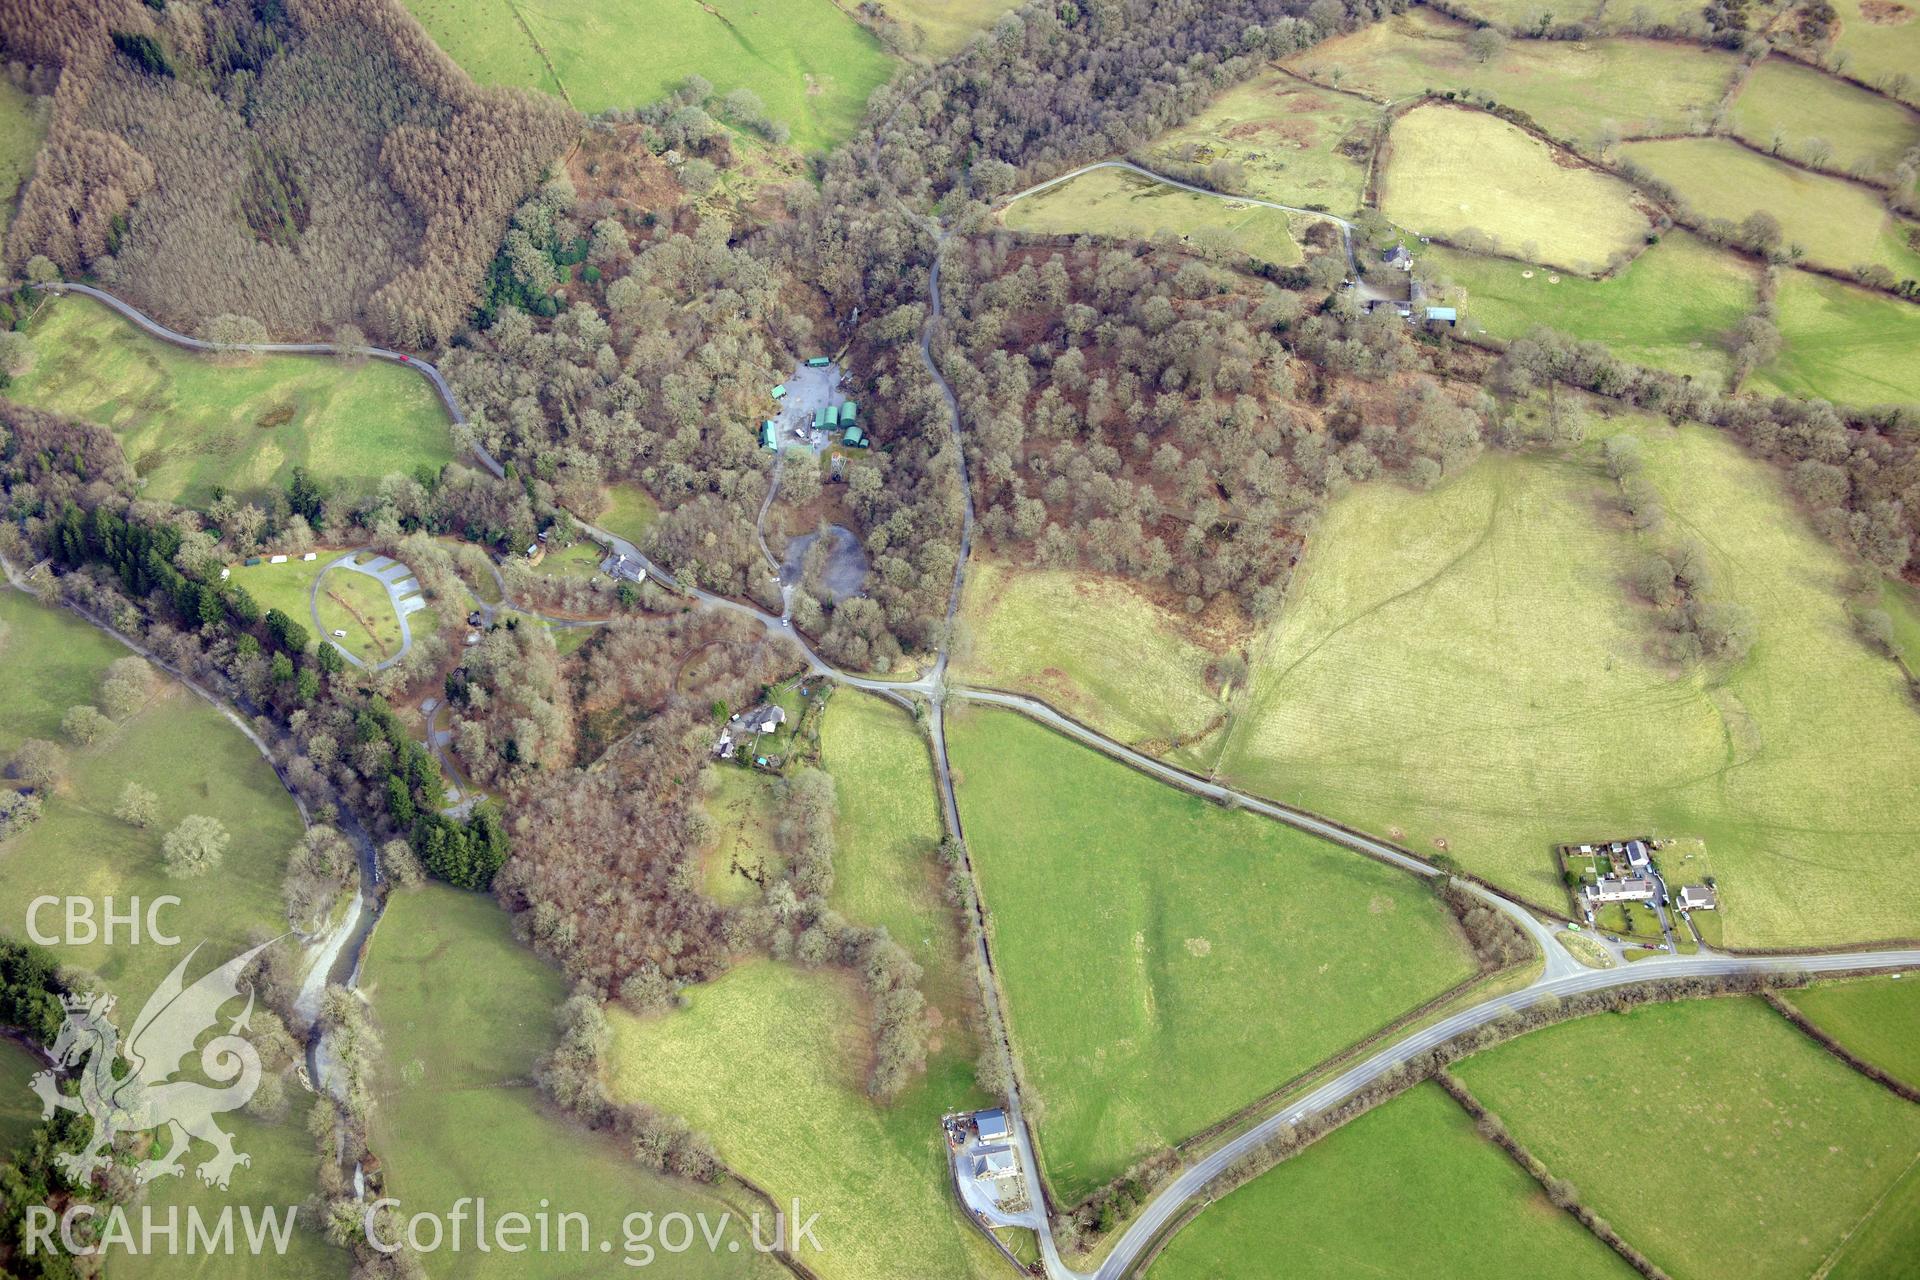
{"x":1698,"y":897}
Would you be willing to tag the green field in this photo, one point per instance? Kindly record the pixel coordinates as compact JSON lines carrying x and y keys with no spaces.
{"x":1668,"y":309}
{"x":1574,"y":91}
{"x":1292,"y":140}
{"x":770,"y":1061}
{"x":1166,"y":962}
{"x":186,"y":752}
{"x":1123,"y":205}
{"x":1765,"y":1149}
{"x":886,"y":867}
{"x":191,"y":426}
{"x":1839,"y":224}
{"x":1902,"y":603}
{"x":629,"y":513}
{"x":195,"y":762}
{"x":1887,"y":1243}
{"x":1524,"y":14}
{"x":359,"y":605}
{"x":466,"y":1012}
{"x":947,"y":24}
{"x":1878,"y":51}
{"x":21,"y":129}
{"x":19,"y":1106}
{"x":1843,"y":344}
{"x":1466,"y":175}
{"x":743,"y":813}
{"x":1788,"y":103}
{"x":1409,"y":1180}
{"x":1090,"y":646}
{"x":1465,"y":670}
{"x":812,"y":65}
{"x":1877,"y":1019}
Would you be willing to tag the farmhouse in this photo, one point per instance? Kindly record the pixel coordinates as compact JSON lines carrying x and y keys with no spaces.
{"x":764,"y":719}
{"x":1399,"y":257}
{"x":990,"y":1164}
{"x":1615,"y":889}
{"x":1698,"y":897}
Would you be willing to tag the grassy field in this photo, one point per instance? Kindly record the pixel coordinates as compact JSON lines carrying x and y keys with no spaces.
{"x":1786,"y":103}
{"x":1878,"y":50}
{"x":630,"y":512}
{"x":19,"y":1107}
{"x":1092,"y":647}
{"x":1572,"y":90}
{"x":1126,"y":206}
{"x":947,"y":25}
{"x":1842,"y":343}
{"x":1769,"y":1150}
{"x":1668,"y":309}
{"x":466,"y":1013}
{"x":1887,"y":1242}
{"x":21,"y":129}
{"x":1837,"y":223}
{"x":886,"y":868}
{"x":1166,"y":962}
{"x":1367,"y":1198}
{"x":1524,"y":14}
{"x":190,"y":426}
{"x":1876,"y":1018}
{"x":359,"y":605}
{"x":1464,"y":669}
{"x":1454,"y":172}
{"x":743,"y":814}
{"x":770,"y":1061}
{"x":177,"y":745}
{"x":812,"y":65}
{"x":1291,"y":138}
{"x":1902,"y":603}
{"x":196,"y":763}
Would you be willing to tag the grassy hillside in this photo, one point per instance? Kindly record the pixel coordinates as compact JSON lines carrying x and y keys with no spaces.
{"x":1882,"y":47}
{"x":1768,"y":1149}
{"x":1574,"y":91}
{"x":466,"y":1012}
{"x":947,"y":25}
{"x":19,"y":1107}
{"x":1668,"y":309}
{"x":1126,"y":206}
{"x":177,"y":745}
{"x":1364,"y":1200}
{"x":1092,"y":647}
{"x":196,"y":762}
{"x":1876,"y":1018}
{"x":1844,"y":344}
{"x":1838,"y":223}
{"x":191,"y":426}
{"x":1166,"y":962}
{"x":770,"y":1061}
{"x":810,"y":63}
{"x":1464,"y":669}
{"x":886,"y":864}
{"x":1295,"y":141}
{"x":1466,"y":175}
{"x":22,"y":126}
{"x":1786,"y":105}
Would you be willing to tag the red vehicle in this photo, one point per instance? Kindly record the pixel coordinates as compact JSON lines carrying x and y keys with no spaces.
{"x":406,"y":360}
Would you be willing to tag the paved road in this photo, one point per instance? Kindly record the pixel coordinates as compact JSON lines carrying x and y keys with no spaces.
{"x":1174,"y":1197}
{"x":375,"y":570}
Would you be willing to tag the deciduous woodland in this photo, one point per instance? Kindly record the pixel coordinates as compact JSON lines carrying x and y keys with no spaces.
{"x":311,"y":164}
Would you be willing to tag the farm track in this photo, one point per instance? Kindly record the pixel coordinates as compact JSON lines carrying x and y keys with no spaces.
{"x":1562,"y":974}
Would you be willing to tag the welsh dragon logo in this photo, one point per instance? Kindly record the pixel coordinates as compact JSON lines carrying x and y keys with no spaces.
{"x":146,"y":1097}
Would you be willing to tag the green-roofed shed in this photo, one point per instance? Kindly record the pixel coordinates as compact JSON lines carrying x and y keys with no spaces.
{"x":848,"y":411}
{"x":780,"y":392}
{"x":854,"y":438}
{"x":769,"y":434}
{"x":818,"y":362}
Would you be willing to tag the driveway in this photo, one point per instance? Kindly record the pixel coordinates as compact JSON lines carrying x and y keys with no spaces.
{"x":403,"y":593}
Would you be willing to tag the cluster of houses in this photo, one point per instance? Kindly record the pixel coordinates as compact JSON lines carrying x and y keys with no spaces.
{"x":1401,"y":260}
{"x":751,"y":725}
{"x":1632,"y":877}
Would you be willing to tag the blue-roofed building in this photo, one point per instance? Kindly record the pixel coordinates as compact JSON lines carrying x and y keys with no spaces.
{"x":991,"y":1124}
{"x":1447,"y":316}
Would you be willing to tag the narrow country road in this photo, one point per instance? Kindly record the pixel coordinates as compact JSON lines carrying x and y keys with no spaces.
{"x":1562,"y":975}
